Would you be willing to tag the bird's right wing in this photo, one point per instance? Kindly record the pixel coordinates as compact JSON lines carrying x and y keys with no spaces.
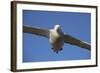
{"x":73,"y":41}
{"x":36,"y":31}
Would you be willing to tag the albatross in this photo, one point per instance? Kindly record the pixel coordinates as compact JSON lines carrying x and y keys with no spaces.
{"x":56,"y":37}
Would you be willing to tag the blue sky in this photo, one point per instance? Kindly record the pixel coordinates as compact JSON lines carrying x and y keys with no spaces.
{"x":38,"y":49}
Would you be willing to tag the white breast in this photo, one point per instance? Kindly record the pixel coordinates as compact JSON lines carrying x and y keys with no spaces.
{"x":53,"y":35}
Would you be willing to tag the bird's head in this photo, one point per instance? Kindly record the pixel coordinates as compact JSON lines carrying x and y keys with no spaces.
{"x":57,"y":27}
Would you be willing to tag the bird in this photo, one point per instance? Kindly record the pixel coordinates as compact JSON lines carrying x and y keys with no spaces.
{"x":56,"y":37}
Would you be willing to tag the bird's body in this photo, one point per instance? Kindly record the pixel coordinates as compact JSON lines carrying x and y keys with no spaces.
{"x":56,"y":39}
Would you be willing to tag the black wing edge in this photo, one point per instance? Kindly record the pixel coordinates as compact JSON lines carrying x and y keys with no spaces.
{"x":36,"y":31}
{"x":74,"y":41}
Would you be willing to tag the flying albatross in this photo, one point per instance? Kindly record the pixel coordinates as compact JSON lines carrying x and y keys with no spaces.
{"x":56,"y":37}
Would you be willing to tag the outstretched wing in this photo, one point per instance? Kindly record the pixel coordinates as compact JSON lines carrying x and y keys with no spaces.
{"x":71,"y":40}
{"x":36,"y":31}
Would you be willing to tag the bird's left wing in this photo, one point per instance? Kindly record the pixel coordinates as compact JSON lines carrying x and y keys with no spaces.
{"x":74,"y":41}
{"x":36,"y":31}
